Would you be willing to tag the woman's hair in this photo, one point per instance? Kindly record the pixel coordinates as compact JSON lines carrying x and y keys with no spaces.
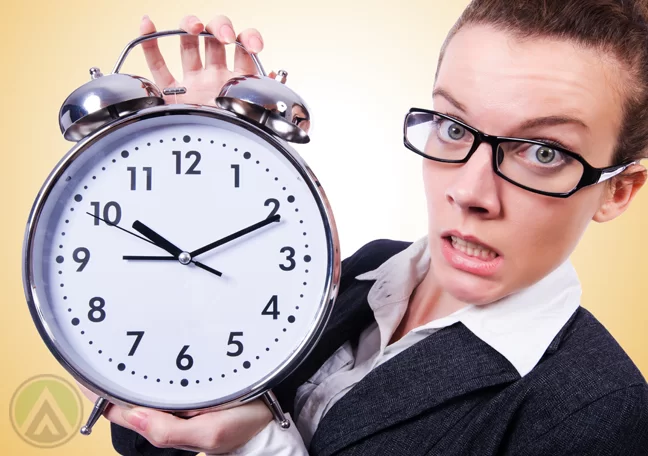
{"x":616,"y":28}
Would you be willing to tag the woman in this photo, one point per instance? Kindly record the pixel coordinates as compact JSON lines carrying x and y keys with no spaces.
{"x":471,"y":340}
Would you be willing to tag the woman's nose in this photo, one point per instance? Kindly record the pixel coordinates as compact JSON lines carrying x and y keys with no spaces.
{"x":474,"y":187}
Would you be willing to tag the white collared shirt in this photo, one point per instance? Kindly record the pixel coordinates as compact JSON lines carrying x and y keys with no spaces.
{"x":520,"y":327}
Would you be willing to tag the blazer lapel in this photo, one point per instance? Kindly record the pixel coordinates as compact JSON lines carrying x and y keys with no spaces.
{"x":350,"y":316}
{"x":446,"y":365}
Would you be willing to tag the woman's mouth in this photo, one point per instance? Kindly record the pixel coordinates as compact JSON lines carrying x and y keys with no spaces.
{"x":472,"y":249}
{"x":470,"y":256}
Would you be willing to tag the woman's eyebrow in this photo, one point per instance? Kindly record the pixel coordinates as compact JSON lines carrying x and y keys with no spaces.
{"x":444,"y":93}
{"x":551,"y":121}
{"x":547,"y":121}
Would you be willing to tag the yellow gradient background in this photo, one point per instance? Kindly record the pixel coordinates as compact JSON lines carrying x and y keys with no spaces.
{"x":359,"y":64}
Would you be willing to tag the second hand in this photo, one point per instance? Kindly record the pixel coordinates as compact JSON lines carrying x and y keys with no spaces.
{"x":197,"y":263}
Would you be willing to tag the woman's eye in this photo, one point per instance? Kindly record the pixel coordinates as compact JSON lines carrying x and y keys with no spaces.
{"x":451,"y":131}
{"x":543,"y":155}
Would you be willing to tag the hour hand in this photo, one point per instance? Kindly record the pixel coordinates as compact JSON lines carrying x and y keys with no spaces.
{"x":156,"y":238}
{"x":177,"y":252}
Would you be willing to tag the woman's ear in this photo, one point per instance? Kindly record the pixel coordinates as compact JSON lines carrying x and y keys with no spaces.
{"x":620,"y":191}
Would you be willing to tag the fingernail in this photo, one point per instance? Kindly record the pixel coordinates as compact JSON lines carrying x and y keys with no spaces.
{"x":145,"y":17}
{"x":136,"y":418}
{"x":255,"y":44}
{"x":227,"y":33}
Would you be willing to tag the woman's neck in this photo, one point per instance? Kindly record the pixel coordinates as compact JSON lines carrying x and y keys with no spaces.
{"x":428,"y":302}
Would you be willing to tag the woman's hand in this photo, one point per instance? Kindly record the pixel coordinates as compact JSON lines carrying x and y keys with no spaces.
{"x":207,"y":432}
{"x":220,"y":431}
{"x":203,"y":83}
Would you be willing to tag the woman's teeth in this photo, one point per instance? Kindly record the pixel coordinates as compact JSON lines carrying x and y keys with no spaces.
{"x":472,"y":249}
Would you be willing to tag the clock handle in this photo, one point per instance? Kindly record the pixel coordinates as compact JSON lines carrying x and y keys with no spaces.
{"x":271,"y":401}
{"x":152,"y":36}
{"x":100,"y":406}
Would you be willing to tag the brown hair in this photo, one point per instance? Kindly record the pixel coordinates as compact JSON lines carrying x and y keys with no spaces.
{"x":616,"y":27}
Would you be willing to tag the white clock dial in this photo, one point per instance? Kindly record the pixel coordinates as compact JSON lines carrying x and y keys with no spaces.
{"x":150,"y":329}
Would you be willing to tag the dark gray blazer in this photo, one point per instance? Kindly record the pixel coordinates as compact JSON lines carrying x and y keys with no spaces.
{"x":452,"y":394}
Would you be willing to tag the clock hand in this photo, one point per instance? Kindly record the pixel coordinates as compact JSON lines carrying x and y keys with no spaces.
{"x":157,"y":239}
{"x":207,"y":268}
{"x":211,"y":246}
{"x":119,"y":227}
{"x":238,"y":234}
{"x":177,"y":252}
{"x":171,"y":258}
{"x":149,"y":258}
{"x":197,"y":263}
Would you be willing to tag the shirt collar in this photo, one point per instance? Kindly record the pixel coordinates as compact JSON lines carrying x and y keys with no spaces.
{"x":520,"y":326}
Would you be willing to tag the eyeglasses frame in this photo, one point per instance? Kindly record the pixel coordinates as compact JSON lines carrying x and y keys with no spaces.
{"x":591,"y":175}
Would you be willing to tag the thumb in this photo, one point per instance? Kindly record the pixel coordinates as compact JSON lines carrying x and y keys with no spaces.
{"x":161,"y":429}
{"x":164,"y":430}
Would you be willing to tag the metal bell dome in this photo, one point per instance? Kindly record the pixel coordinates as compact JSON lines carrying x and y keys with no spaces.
{"x":269,"y":103}
{"x":104,"y":99}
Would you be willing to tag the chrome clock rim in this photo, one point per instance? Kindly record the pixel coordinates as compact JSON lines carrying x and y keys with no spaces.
{"x":331,"y":283}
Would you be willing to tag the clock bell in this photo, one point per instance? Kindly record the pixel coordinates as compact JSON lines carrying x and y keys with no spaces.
{"x":260,"y":99}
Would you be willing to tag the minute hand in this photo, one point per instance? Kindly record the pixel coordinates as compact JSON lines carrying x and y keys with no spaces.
{"x":236,"y":235}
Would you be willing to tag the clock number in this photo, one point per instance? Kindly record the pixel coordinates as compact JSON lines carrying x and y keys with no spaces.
{"x":275,"y":203}
{"x":139,"y":335}
{"x":237,"y":175}
{"x":290,"y":258}
{"x":238,"y":343}
{"x":182,"y":356}
{"x":97,"y":313}
{"x":275,"y":311}
{"x":82,"y":260}
{"x":133,"y":181}
{"x":107,"y":216}
{"x":192,"y":168}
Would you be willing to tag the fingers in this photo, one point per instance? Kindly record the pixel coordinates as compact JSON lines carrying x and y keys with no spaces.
{"x":189,"y":50}
{"x":220,"y":430}
{"x":113,"y":412}
{"x":87,"y":393}
{"x":215,"y":56}
{"x":161,"y":74}
{"x":253,"y":42}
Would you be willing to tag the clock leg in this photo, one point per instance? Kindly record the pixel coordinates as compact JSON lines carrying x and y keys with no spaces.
{"x":271,"y":401}
{"x":97,"y":411}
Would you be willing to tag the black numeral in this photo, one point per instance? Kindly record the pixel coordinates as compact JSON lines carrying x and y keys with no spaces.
{"x":83,"y":261}
{"x":133,"y":180}
{"x":290,"y":257}
{"x":184,"y":357}
{"x":97,"y":313}
{"x":237,"y":175}
{"x":238,"y":343}
{"x":275,"y":310}
{"x":138,"y":335}
{"x":111,"y":212}
{"x":192,"y":168}
{"x":275,"y":209}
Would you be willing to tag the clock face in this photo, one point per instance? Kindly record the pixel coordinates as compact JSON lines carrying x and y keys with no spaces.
{"x":210,"y":321}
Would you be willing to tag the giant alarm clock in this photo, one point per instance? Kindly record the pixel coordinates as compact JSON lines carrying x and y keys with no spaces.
{"x":181,"y":257}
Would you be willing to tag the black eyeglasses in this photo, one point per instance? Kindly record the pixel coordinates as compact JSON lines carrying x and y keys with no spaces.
{"x":537,"y":166}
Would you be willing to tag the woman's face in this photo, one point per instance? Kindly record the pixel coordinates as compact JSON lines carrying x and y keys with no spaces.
{"x":496,"y":83}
